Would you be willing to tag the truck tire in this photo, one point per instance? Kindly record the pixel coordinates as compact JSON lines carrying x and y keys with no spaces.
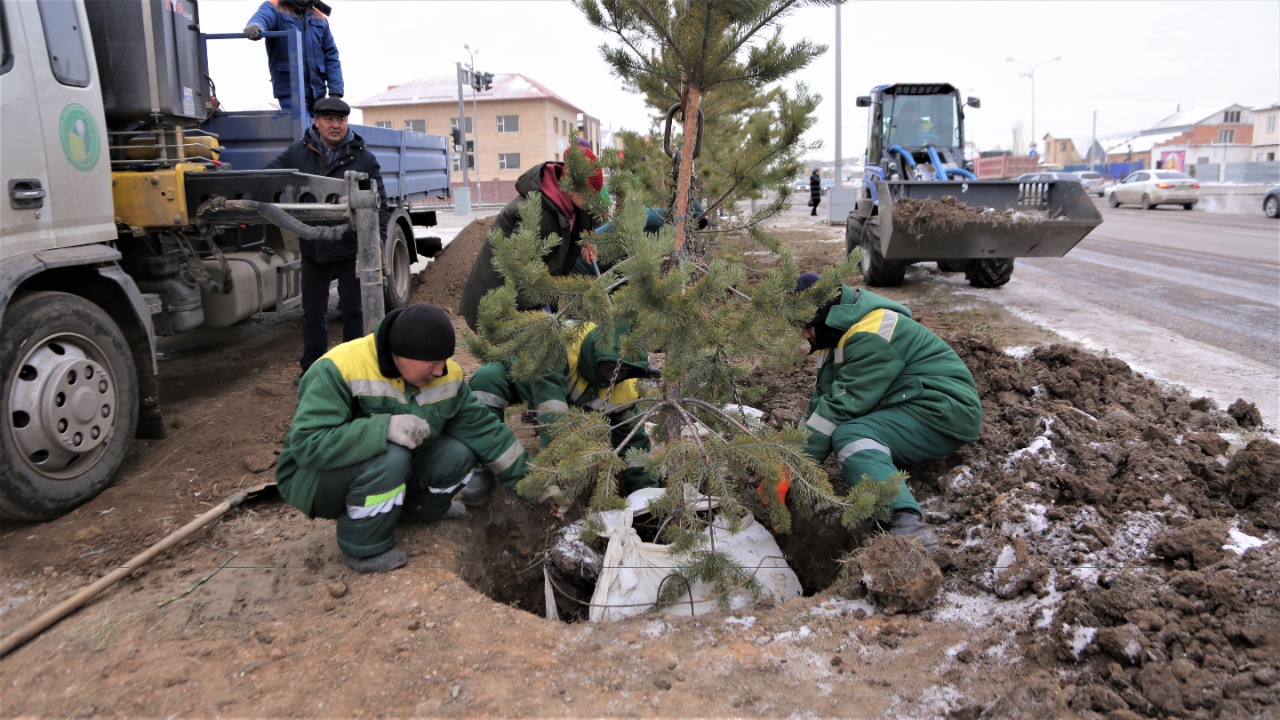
{"x":989,"y":273}
{"x":399,"y":279}
{"x":71,"y":394}
{"x":876,"y":270}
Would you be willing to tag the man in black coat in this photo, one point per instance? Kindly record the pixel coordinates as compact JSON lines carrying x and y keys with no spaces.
{"x":815,"y":191}
{"x":331,"y":148}
{"x":563,"y":213}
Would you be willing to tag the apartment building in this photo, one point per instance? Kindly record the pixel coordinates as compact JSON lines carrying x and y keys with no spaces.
{"x":509,"y":128}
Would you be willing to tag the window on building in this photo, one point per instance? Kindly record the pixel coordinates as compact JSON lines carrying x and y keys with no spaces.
{"x":508,"y":123}
{"x":64,"y":38}
{"x":508,"y":161}
{"x":416,"y":125}
{"x":1226,"y":136}
{"x":1271,"y":123}
{"x":471,"y":162}
{"x":555,"y":125}
{"x":383,"y":123}
{"x":1271,"y":157}
{"x":453,"y":124}
{"x":1231,"y":116}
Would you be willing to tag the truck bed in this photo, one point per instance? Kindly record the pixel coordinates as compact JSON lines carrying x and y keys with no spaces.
{"x":415,"y":166}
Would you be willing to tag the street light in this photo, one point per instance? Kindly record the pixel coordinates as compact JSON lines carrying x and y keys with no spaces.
{"x":1031,"y":73}
{"x":475,"y":120}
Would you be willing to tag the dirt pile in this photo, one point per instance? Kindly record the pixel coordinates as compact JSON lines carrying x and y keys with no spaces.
{"x":1104,"y":557}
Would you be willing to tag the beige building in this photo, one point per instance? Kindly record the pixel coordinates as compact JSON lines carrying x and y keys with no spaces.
{"x":513,"y":126}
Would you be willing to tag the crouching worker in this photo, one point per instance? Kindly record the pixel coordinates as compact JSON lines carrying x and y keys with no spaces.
{"x":592,"y":378}
{"x":387,"y":425}
{"x":889,"y":393}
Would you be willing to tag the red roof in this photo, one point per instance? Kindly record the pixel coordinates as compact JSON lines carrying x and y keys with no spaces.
{"x":445,"y":90}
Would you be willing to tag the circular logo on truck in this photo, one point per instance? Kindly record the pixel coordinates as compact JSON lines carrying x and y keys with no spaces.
{"x":79,"y":133}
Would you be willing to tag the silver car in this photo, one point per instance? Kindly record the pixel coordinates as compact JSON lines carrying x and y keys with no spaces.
{"x":1150,"y":188}
{"x":1094,"y":183}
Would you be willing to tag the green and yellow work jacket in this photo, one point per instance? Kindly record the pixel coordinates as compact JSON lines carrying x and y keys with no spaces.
{"x":346,"y":402}
{"x":886,"y":359}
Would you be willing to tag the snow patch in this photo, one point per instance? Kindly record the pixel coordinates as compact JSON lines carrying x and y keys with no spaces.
{"x":1241,"y":541}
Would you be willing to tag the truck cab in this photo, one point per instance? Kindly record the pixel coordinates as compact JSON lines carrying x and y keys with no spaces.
{"x":124,"y":222}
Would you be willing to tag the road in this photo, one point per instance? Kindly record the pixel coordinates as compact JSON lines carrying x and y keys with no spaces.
{"x":1191,"y":298}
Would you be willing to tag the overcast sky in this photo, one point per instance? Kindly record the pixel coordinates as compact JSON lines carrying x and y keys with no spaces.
{"x":1134,"y":62}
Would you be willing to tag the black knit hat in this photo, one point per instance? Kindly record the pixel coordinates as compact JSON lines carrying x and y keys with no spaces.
{"x":418,"y":332}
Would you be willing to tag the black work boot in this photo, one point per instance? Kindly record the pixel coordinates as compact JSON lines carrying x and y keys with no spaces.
{"x":387,"y":561}
{"x":908,"y":523}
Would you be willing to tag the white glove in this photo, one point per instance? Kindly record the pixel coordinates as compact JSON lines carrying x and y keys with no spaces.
{"x":407,"y":430}
{"x":253,"y":31}
{"x":551,"y":501}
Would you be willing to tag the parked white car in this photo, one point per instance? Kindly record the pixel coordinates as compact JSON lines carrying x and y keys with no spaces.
{"x":1150,"y":188}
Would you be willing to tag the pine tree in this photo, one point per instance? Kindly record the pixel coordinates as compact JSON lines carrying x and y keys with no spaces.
{"x":693,"y":59}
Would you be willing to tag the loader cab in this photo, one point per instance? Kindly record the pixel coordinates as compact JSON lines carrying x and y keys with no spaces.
{"x":915,"y":118}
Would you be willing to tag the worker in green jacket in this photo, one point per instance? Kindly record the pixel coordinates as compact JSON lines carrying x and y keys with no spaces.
{"x":593,"y":378}
{"x":889,"y":392}
{"x":386,"y":424}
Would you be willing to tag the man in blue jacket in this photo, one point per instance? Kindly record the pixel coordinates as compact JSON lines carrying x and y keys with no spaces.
{"x":331,"y":148}
{"x":323,"y":71}
{"x":889,"y":392}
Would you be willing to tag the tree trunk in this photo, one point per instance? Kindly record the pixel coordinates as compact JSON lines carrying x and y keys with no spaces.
{"x":693,"y":101}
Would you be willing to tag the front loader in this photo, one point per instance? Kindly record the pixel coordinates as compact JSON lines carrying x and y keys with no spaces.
{"x":920,"y":200}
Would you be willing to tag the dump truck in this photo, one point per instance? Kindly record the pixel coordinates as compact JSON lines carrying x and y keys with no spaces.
{"x":915,"y":161}
{"x":138,"y":208}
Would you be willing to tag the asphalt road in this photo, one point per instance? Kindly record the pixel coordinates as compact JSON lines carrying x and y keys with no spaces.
{"x":1191,"y":298}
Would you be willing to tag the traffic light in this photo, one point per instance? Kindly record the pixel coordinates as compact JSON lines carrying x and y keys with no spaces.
{"x":457,"y":137}
{"x":486,"y":79}
{"x":477,"y":81}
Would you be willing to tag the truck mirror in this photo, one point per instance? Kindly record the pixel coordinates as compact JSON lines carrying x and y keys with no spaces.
{"x":973,"y":102}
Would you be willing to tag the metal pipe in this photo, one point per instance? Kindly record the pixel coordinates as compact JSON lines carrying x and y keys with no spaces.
{"x":369,"y":248}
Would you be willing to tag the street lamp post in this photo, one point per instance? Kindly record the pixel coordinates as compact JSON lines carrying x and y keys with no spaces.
{"x":1031,"y":74}
{"x":475,"y":121}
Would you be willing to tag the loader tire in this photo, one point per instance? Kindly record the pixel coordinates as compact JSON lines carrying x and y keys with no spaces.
{"x":71,"y":394}
{"x":876,"y":270}
{"x":989,"y":273}
{"x":852,"y":234}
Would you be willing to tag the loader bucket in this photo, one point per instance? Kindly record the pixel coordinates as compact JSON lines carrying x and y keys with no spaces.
{"x":982,"y":219}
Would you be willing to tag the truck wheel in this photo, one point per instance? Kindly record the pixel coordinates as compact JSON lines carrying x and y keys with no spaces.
{"x":1146,"y":203}
{"x":399,"y":280}
{"x":989,"y":273}
{"x":876,"y":270}
{"x":71,"y":395}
